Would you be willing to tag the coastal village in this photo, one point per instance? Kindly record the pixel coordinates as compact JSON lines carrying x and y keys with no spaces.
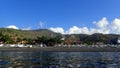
{"x":59,"y":33}
{"x":98,"y":45}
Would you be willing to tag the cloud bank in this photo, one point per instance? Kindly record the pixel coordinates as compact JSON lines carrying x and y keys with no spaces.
{"x":102,"y":26}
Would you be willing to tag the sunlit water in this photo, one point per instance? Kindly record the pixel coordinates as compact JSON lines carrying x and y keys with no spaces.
{"x":59,"y":59}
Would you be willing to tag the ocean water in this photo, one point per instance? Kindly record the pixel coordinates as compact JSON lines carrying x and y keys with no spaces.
{"x":59,"y":59}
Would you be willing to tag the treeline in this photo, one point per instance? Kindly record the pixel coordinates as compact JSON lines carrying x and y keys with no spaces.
{"x":49,"y":41}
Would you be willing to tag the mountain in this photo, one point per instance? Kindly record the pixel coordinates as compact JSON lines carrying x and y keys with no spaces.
{"x":32,"y":34}
{"x":92,"y":39}
{"x":7,"y":34}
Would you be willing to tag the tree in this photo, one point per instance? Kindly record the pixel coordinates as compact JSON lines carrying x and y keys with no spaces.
{"x":8,"y":40}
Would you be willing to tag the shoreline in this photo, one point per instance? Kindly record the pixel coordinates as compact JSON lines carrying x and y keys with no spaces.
{"x":59,"y":49}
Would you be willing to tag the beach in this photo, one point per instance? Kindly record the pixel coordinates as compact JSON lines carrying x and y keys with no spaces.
{"x":60,"y":49}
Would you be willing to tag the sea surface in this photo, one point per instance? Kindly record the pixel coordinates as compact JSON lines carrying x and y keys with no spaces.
{"x":59,"y":59}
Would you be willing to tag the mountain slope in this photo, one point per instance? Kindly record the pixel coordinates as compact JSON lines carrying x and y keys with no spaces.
{"x":32,"y":34}
{"x":17,"y":35}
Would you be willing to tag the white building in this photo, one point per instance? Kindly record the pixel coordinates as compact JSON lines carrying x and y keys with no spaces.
{"x":118,"y":40}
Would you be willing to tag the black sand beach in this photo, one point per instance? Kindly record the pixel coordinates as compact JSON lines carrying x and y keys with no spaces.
{"x":61,"y":49}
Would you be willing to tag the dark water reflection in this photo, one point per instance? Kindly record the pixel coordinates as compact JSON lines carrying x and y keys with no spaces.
{"x":59,"y":59}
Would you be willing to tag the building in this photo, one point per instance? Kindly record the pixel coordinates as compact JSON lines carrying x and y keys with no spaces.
{"x":118,"y":40}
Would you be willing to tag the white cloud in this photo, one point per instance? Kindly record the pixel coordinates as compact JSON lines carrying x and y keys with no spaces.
{"x":72,"y":30}
{"x":57,"y":30}
{"x":12,"y":26}
{"x":115,"y":26}
{"x":102,"y":26}
{"x":102,"y":23}
{"x":77,"y":30}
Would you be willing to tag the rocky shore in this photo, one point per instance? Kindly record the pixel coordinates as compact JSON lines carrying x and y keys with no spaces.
{"x":60,"y":49}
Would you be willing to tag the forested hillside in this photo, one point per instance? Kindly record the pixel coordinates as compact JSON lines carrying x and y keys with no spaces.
{"x":28,"y":36}
{"x":48,"y":37}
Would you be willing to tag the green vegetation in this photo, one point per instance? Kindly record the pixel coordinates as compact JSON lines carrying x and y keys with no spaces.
{"x":48,"y":41}
{"x":44,"y":36}
{"x":41,"y":36}
{"x":96,"y":38}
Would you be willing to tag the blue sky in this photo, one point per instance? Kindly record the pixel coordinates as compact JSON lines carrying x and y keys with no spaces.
{"x":60,"y":14}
